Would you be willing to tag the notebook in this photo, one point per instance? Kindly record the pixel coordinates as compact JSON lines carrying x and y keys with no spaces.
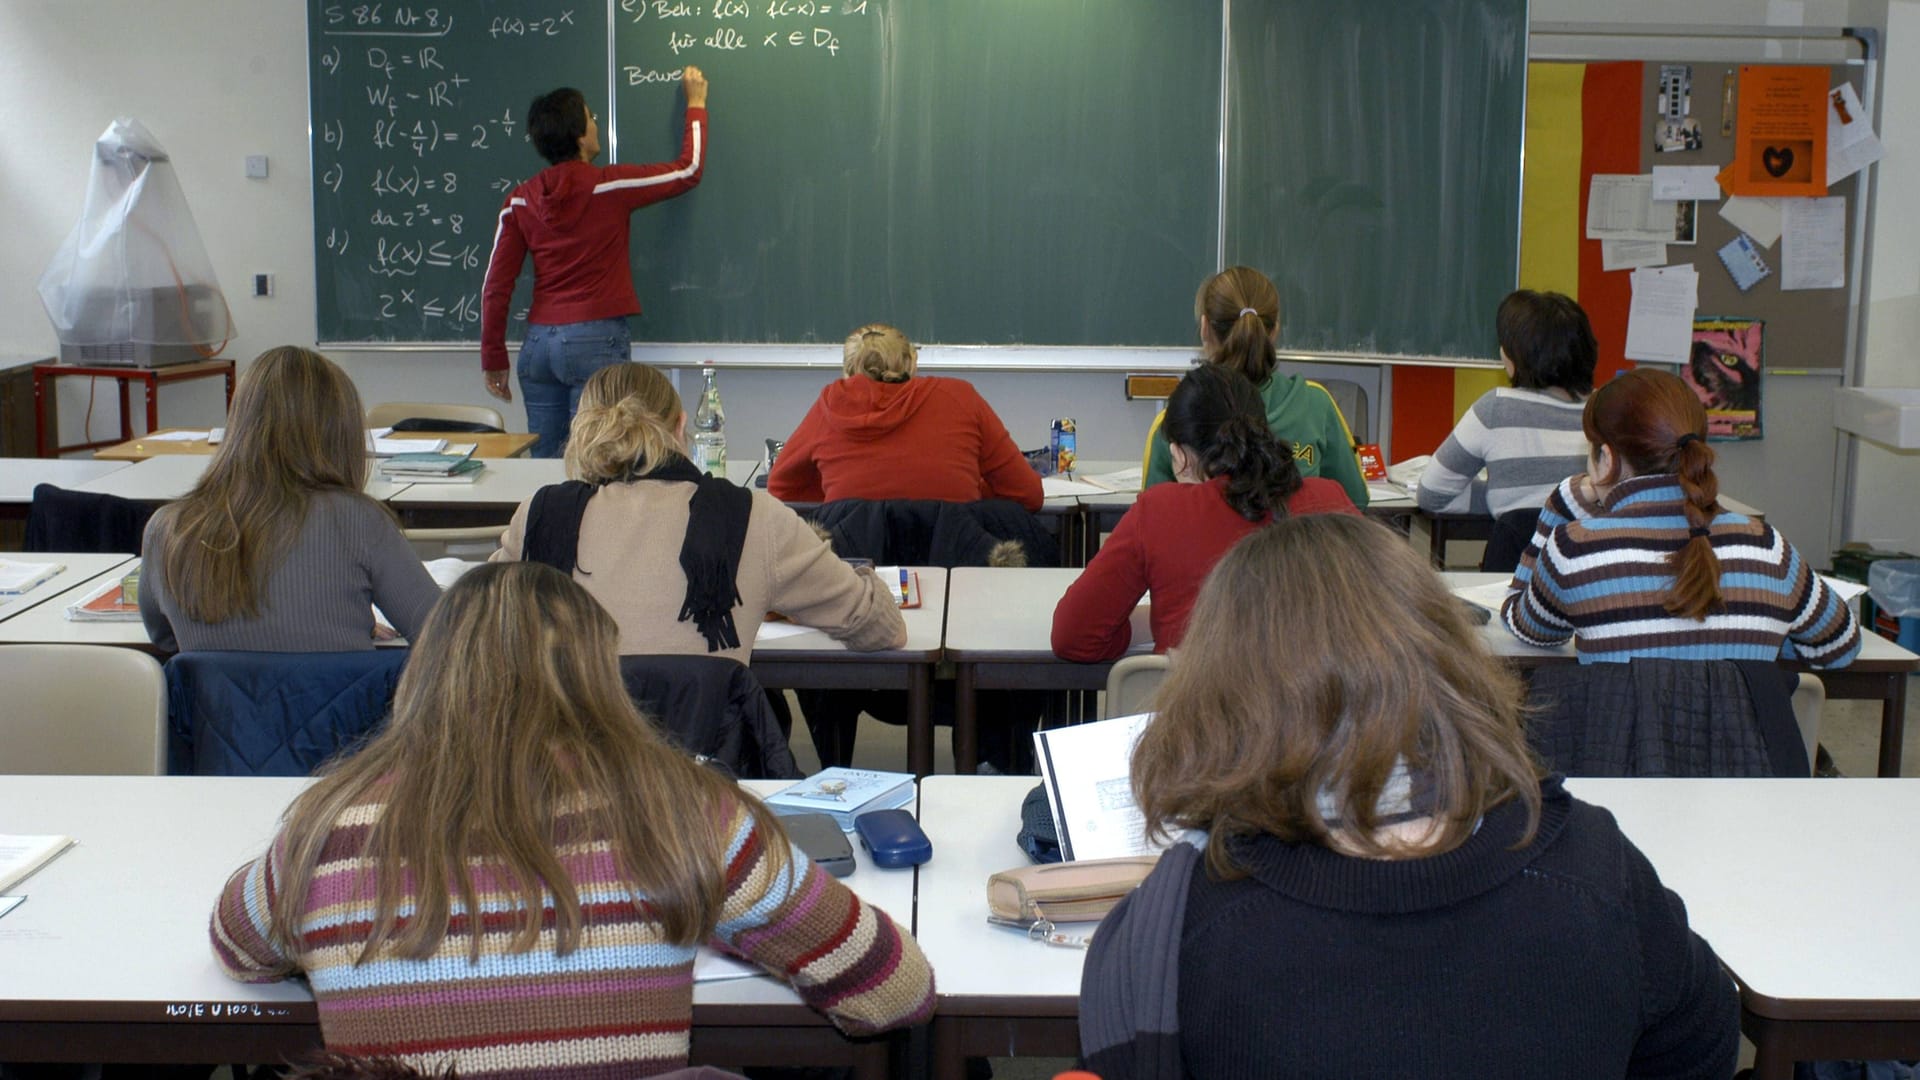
{"x":19,"y":577}
{"x":20,"y":856}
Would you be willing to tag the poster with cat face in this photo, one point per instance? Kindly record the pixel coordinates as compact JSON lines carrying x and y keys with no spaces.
{"x":1724,"y":372}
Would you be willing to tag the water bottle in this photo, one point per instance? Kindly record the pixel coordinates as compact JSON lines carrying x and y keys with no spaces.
{"x":710,"y":427}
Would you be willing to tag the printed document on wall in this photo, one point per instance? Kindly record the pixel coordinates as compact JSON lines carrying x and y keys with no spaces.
{"x":1813,"y":243}
{"x":1660,"y":319}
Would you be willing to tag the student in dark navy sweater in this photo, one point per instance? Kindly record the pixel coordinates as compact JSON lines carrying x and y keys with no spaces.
{"x":1234,"y":477}
{"x":1386,"y":886}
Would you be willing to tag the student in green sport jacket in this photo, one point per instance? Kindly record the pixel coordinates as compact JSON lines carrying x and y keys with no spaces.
{"x":1239,"y":314}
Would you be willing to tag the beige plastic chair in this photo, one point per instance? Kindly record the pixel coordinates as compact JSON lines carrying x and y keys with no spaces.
{"x":1131,"y":684}
{"x":1808,"y":698}
{"x":385,"y":415}
{"x":473,"y":543}
{"x":82,"y":710}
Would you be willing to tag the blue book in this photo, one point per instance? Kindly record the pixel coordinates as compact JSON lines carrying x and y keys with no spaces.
{"x":844,"y":794}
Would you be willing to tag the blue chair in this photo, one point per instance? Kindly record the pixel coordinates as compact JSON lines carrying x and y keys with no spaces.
{"x":274,"y":714}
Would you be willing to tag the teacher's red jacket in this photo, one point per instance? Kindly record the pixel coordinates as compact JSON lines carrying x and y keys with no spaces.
{"x":573,"y":218}
{"x":926,"y":438}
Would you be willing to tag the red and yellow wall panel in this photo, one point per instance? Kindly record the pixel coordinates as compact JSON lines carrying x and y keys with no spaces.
{"x":1582,"y":119}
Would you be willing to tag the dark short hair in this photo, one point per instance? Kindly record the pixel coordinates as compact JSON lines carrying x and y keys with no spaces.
{"x":556,"y":122}
{"x":1549,"y":340}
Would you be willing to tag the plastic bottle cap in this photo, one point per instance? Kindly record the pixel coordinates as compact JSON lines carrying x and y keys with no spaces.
{"x":1076,"y":1074}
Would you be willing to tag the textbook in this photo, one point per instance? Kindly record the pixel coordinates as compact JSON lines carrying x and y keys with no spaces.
{"x":426,"y":468}
{"x":20,"y":856}
{"x":844,"y":794}
{"x":115,"y":600}
{"x":1086,"y":769}
{"x":19,"y":577}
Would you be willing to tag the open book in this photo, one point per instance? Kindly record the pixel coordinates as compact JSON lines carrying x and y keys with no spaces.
{"x":20,"y":856}
{"x":1087,"y":771}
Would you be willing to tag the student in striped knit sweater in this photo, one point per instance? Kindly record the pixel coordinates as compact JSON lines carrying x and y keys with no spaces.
{"x":1527,"y":437}
{"x":1635,"y":558}
{"x":517,"y":780}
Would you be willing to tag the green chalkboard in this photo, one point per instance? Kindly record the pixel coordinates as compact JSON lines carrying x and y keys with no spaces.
{"x":1373,"y":152}
{"x":976,"y":171}
{"x":418,"y":129}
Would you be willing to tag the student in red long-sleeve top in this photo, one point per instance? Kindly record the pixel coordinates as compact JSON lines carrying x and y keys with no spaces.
{"x":574,"y":217}
{"x":883,"y":432}
{"x":1235,"y":478}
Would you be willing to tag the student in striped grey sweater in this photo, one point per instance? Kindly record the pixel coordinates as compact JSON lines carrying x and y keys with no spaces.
{"x":512,"y":878}
{"x":1527,"y":437}
{"x":1635,"y":557}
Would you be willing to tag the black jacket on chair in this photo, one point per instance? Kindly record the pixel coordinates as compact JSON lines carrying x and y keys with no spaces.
{"x":81,"y":521}
{"x":926,"y":532}
{"x":712,"y":707}
{"x":1666,"y":718}
{"x":274,"y":714}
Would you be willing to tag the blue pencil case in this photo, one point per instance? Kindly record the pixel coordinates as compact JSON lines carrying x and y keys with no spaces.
{"x":893,"y":838}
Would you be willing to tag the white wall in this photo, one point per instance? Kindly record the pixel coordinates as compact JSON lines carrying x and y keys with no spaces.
{"x":217,"y":80}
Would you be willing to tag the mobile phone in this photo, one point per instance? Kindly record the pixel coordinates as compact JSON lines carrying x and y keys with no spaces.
{"x":820,"y":837}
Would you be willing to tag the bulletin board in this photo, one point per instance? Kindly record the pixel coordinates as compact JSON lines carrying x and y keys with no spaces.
{"x":1806,"y":330}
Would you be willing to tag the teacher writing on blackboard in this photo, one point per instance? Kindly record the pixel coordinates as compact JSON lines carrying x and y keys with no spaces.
{"x":573,"y":216}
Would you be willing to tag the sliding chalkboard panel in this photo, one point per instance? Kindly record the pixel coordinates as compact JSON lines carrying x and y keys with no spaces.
{"x":973,"y":170}
{"x":1373,"y":151}
{"x":418,"y":118}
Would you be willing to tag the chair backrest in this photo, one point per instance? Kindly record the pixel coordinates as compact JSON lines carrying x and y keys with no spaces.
{"x":274,"y":714}
{"x":392,"y":412}
{"x":714,"y":708}
{"x":1351,"y":397}
{"x":82,"y":710}
{"x":1131,"y":684}
{"x":473,"y":543}
{"x":82,"y":521}
{"x":927,"y":532}
{"x":1512,"y":532}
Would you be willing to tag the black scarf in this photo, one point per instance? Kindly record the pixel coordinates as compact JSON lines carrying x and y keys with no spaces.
{"x":709,"y":553}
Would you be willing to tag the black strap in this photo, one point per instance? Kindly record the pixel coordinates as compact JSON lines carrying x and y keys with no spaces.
{"x":1771,"y":688}
{"x":709,"y":554}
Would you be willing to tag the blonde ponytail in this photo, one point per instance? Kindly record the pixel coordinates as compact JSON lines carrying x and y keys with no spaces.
{"x":627,"y":425}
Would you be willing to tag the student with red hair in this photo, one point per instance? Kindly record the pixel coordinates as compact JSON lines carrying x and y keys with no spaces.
{"x":1636,"y":557}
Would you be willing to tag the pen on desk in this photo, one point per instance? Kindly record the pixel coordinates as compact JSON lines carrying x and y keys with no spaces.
{"x":904,"y":598}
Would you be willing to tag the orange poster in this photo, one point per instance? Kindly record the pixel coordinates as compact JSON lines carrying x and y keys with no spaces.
{"x":1780,"y":138}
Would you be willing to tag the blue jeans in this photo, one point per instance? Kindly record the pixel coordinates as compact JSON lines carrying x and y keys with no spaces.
{"x":555,"y":362}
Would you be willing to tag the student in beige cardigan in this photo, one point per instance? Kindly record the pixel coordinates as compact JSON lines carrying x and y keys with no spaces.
{"x":631,"y":532}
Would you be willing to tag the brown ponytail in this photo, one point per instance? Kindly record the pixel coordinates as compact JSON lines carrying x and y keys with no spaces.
{"x":1655,"y":424}
{"x":1241,"y":309}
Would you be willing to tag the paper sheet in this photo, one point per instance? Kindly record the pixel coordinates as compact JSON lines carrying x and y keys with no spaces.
{"x":1758,"y":218}
{"x":1632,"y":254}
{"x":1672,"y":183}
{"x":1054,"y":487}
{"x":175,"y":436}
{"x":1780,"y":133}
{"x":1660,"y":319}
{"x":1813,"y":246}
{"x":1744,"y":263}
{"x":18,"y":577}
{"x":774,"y":631}
{"x":1620,"y":207}
{"x":447,"y":571}
{"x":1122,"y":480}
{"x":8,"y":903}
{"x":1378,"y":492}
{"x":1087,"y":772}
{"x":1851,"y":143}
{"x":1846,"y":590}
{"x":1489,"y":596}
{"x":710,"y":966}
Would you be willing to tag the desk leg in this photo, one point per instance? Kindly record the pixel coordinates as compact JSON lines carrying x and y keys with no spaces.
{"x":920,"y":719}
{"x":966,"y":742}
{"x":153,"y":402}
{"x":1893,"y":723}
{"x":126,"y":408}
{"x":229,"y":388}
{"x":1772,"y":1061}
{"x":42,"y":401}
{"x":948,"y":1062}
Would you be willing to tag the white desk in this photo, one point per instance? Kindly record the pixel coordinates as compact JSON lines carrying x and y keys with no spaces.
{"x":490,"y":500}
{"x":1000,"y":637}
{"x":1879,"y":673}
{"x":814,"y":661}
{"x":81,"y":571}
{"x":46,"y":622}
{"x":1804,"y":901}
{"x":164,"y":479}
{"x":18,"y":476}
{"x":1001,"y":994}
{"x":108,"y":958}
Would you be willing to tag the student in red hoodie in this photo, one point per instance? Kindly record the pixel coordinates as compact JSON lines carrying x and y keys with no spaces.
{"x":574,"y":216}
{"x":884,"y":433}
{"x":1234,"y":478}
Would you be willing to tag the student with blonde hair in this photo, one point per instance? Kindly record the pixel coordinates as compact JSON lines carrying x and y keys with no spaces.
{"x":686,"y":563}
{"x":1386,"y":884}
{"x":512,"y":878}
{"x":1238,"y":310}
{"x":884,"y":431}
{"x":277,"y":548}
